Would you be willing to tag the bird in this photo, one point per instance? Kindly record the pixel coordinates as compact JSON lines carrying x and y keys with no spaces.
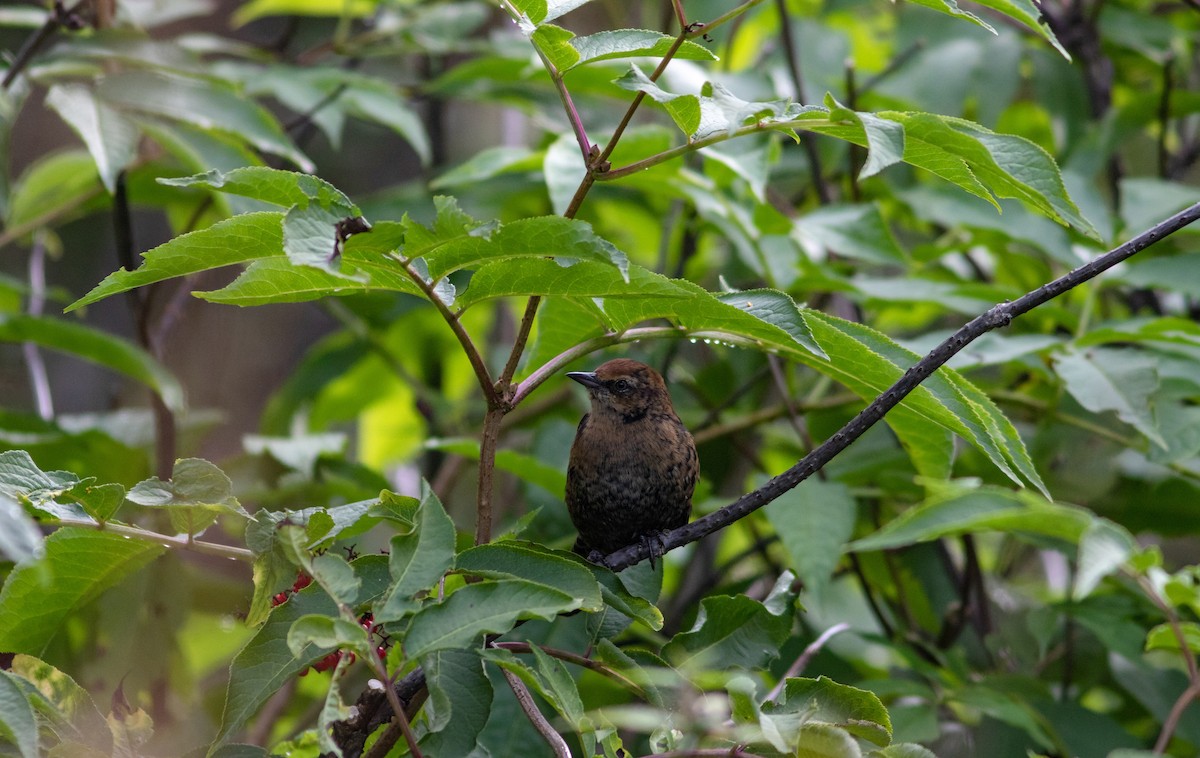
{"x":633,"y":464}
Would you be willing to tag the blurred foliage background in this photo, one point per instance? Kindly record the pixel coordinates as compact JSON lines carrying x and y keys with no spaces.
{"x":1010,"y":572}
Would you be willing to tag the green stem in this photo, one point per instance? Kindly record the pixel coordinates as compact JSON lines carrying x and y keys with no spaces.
{"x":175,"y":543}
{"x":675,"y":152}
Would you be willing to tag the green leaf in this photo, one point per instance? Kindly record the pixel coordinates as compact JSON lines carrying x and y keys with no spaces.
{"x":814,"y":521}
{"x":275,"y":186}
{"x":488,"y":164}
{"x":1112,"y":379}
{"x":336,"y":577}
{"x":53,"y":184}
{"x":1162,"y":637}
{"x":20,"y":540}
{"x":825,"y":741}
{"x":83,"y":564}
{"x":460,"y":701}
{"x":455,"y":242}
{"x":730,"y":631}
{"x":859,"y":712}
{"x":316,"y":209}
{"x":485,"y":607}
{"x":1103,"y":548}
{"x":531,"y":562}
{"x":985,"y":509}
{"x":418,"y":559}
{"x":209,"y":104}
{"x":97,"y":347}
{"x":110,"y":137}
{"x":327,"y":632}
{"x":75,"y":715}
{"x":854,"y":231}
{"x":566,"y":51}
{"x":240,"y":239}
{"x":194,"y":482}
{"x":23,"y":481}
{"x":18,"y":725}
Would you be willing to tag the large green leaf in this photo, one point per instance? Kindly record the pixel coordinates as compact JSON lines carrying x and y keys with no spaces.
{"x":18,"y":725}
{"x":485,"y":607}
{"x":97,"y":347}
{"x":559,"y":570}
{"x":985,"y":509}
{"x":460,"y":700}
{"x":110,"y":137}
{"x":859,"y":712}
{"x":207,"y":103}
{"x":82,"y":564}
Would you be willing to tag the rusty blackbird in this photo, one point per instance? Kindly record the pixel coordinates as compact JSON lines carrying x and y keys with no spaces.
{"x":633,"y":465}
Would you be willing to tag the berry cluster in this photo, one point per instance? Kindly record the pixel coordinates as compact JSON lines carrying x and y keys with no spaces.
{"x":302,"y":581}
{"x":367,"y":620}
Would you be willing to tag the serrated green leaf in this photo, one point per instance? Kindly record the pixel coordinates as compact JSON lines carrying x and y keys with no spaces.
{"x":84,"y":564}
{"x":194,"y":482}
{"x":97,"y":347}
{"x":486,"y":607}
{"x":240,"y":239}
{"x":275,"y":186}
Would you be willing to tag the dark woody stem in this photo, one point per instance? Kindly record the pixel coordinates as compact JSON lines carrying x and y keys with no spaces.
{"x":998,"y":316}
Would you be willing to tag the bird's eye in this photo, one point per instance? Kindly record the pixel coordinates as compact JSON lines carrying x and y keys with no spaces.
{"x":621,"y":387}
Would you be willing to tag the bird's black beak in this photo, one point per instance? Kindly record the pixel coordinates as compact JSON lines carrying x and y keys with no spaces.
{"x":586,"y":378}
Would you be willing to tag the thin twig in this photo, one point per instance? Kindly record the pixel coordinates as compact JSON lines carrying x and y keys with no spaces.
{"x":399,"y":716}
{"x":1172,"y":721}
{"x":806,"y":140}
{"x":525,"y":700}
{"x":806,"y":657}
{"x":33,"y":43}
{"x":998,"y":316}
{"x":175,"y":543}
{"x":428,"y":288}
{"x":38,"y":378}
{"x":578,"y":660}
{"x":1164,"y":115}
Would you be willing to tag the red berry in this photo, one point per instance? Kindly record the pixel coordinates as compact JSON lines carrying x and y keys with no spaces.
{"x":328,"y":661}
{"x":279,"y":599}
{"x":302,"y":581}
{"x":381,"y":651}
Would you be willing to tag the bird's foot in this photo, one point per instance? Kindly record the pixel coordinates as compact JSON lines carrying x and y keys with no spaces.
{"x":597,"y":557}
{"x":655,"y":546}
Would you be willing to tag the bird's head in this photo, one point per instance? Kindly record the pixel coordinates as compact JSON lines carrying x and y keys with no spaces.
{"x":625,"y":389}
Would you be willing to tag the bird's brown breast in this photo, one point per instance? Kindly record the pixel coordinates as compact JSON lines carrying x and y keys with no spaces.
{"x":630,"y":478}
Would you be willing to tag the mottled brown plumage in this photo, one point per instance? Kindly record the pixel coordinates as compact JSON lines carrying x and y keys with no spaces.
{"x":633,"y":464}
